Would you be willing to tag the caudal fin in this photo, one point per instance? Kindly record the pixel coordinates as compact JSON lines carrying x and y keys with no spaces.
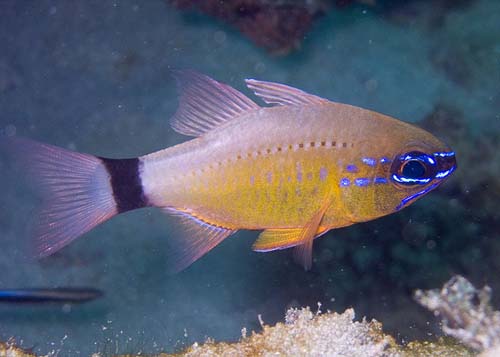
{"x":75,"y":188}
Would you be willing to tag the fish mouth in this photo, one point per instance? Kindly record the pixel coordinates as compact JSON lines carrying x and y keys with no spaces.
{"x":446,"y":164}
{"x":408,"y":199}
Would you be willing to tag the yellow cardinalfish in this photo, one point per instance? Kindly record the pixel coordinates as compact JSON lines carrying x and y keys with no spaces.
{"x":295,"y":169}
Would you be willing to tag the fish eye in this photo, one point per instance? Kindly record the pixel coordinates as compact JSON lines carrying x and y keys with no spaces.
{"x":413,"y":168}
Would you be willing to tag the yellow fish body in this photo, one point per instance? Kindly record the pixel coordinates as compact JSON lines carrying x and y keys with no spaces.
{"x":295,"y":169}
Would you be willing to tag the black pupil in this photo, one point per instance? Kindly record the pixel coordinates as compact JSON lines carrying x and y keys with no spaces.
{"x":413,"y":169}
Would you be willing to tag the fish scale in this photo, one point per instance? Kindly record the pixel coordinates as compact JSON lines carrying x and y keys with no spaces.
{"x":259,"y":155}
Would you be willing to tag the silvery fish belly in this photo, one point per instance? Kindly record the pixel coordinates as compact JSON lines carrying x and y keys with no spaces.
{"x":294,"y":169}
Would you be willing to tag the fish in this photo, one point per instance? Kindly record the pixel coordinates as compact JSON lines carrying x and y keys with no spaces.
{"x":61,"y":295}
{"x":294,"y":168}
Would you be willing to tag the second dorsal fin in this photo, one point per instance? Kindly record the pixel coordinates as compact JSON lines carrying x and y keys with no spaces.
{"x":205,"y":103}
{"x":276,"y":93}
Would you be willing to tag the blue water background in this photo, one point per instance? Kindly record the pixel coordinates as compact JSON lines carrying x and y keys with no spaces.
{"x":93,"y":76}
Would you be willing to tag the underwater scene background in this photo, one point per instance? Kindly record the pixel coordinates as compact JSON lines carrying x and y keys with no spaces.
{"x":93,"y":76}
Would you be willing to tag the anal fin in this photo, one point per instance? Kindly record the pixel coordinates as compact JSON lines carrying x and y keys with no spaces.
{"x":198,"y":238}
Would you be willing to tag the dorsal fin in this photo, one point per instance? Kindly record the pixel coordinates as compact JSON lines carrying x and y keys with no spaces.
{"x":195,"y":240}
{"x":205,"y":103}
{"x":280,"y":94}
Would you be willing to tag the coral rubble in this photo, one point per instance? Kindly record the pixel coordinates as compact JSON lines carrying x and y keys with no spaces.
{"x":466,"y":312}
{"x":329,"y":334}
{"x":10,"y":350}
{"x":305,"y":333}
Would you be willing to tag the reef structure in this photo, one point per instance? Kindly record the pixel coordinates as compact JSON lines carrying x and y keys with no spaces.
{"x":277,"y":26}
{"x":466,"y":311}
{"x":306,"y":333}
{"x":9,"y":349}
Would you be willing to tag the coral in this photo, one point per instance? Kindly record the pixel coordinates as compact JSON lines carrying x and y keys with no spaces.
{"x":307,"y":333}
{"x":466,"y":312}
{"x":329,"y":334}
{"x":313,"y":334}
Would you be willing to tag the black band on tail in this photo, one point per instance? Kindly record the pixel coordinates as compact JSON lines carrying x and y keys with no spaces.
{"x":126,"y":183}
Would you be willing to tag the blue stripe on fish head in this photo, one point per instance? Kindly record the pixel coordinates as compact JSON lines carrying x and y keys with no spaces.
{"x":421,"y":172}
